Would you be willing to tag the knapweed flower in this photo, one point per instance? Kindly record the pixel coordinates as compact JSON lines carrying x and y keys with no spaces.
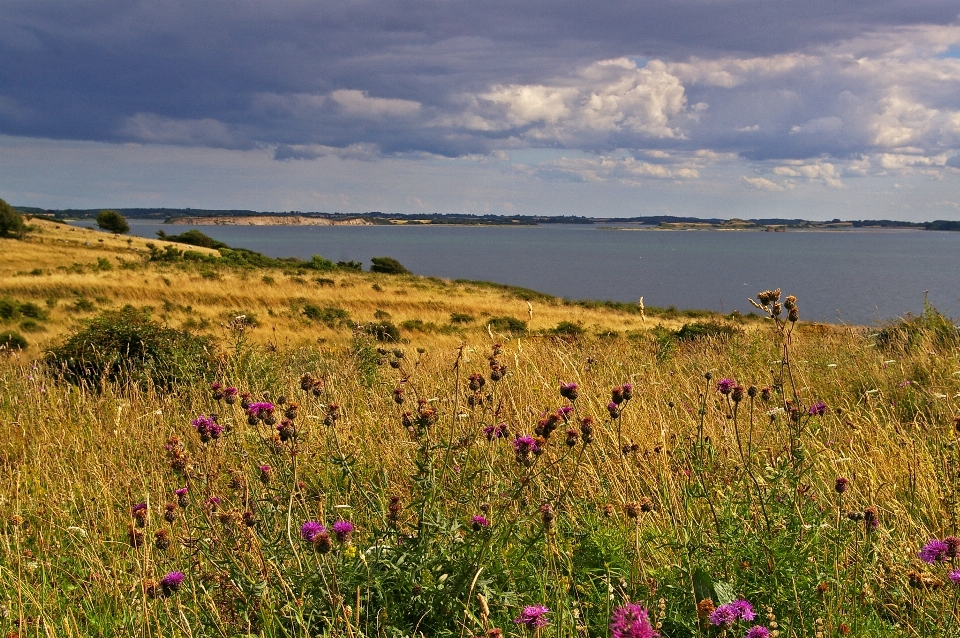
{"x":498,"y":431}
{"x":631,"y":621}
{"x":953,"y":546}
{"x":524,"y":446}
{"x":533,"y":616}
{"x":726,"y":615}
{"x":818,"y":408}
{"x":182,"y":500}
{"x":871,"y":518}
{"x":564,"y":412}
{"x":614,"y":409}
{"x":342,"y":530}
{"x":954,"y":576}
{"x":310,"y":529}
{"x":569,"y":391}
{"x":265,"y":473}
{"x":260,"y":409}
{"x":171,"y":583}
{"x":207,"y":427}
{"x":627,"y":391}
{"x":934,"y":551}
{"x":479,"y":522}
{"x":230,"y":395}
{"x":726,"y":386}
{"x":841,"y":485}
{"x":757,"y":631}
{"x":139,"y":512}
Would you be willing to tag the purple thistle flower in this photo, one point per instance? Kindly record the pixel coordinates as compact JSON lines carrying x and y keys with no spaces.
{"x":207,"y":427}
{"x":343,"y":530}
{"x":726,"y":615}
{"x":569,"y":391}
{"x":524,"y":445}
{"x":181,"y":492}
{"x":564,"y":412}
{"x":479,"y":522}
{"x":495,"y":431}
{"x":260,"y":408}
{"x":757,"y":631}
{"x":627,"y":389}
{"x":614,"y":409}
{"x":954,"y":576}
{"x":631,"y":621}
{"x":533,"y":616}
{"x":310,"y":529}
{"x":171,"y":583}
{"x":726,"y":386}
{"x":934,"y":551}
{"x":138,"y":507}
{"x":818,"y":408}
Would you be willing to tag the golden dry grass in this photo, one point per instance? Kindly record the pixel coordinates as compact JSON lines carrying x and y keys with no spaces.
{"x":58,"y":264}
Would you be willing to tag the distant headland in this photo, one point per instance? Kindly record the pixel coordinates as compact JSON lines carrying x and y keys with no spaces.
{"x":206,"y":217}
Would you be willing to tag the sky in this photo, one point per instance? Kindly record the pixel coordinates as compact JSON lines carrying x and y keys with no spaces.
{"x":815,"y":109}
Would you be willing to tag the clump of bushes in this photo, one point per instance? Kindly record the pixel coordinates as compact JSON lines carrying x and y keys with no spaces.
{"x":383,"y":331}
{"x":192,"y":237}
{"x":11,"y":221}
{"x":507,"y":324}
{"x":332,"y":317}
{"x":461,"y":318}
{"x":112,"y":221}
{"x":568,"y":330}
{"x":388,"y":266}
{"x":705,"y":330}
{"x":10,"y":340}
{"x":127,"y":346}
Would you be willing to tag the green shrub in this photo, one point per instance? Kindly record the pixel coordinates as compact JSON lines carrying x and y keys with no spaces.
{"x":333,"y":317}
{"x":319,"y":263}
{"x":112,"y":221}
{"x":350,"y":265}
{"x":322,"y":281}
{"x":32,"y":310}
{"x":29,"y":325}
{"x":568,"y":330}
{"x":10,"y":340}
{"x":704,"y":330}
{"x":419,"y":325}
{"x":83,"y":305}
{"x":507,"y":324}
{"x":11,"y":221}
{"x":8,"y":309}
{"x":192,"y":237}
{"x":126,"y":346}
{"x":381,"y":315}
{"x":461,"y":318}
{"x":384,"y":331}
{"x":388,"y":266}
{"x":103,"y":264}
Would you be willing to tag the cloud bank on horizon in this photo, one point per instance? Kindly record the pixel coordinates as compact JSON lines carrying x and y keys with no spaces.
{"x":686,"y":106}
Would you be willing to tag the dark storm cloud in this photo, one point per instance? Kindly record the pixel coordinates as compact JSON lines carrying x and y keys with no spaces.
{"x":452,"y":77}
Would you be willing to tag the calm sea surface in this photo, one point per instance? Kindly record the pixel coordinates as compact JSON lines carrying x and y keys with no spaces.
{"x":851,"y":276}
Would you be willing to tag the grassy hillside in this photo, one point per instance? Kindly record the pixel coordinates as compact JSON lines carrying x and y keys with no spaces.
{"x":555,"y":484}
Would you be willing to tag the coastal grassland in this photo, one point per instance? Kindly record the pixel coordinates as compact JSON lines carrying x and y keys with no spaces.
{"x":73,"y":273}
{"x":688,"y":491}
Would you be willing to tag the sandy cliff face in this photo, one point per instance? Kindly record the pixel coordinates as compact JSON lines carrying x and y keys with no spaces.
{"x":270,"y":220}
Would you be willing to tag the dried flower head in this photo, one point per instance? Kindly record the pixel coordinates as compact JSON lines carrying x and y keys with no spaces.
{"x":586,"y":429}
{"x":704,"y":608}
{"x":871,"y":518}
{"x":841,"y":485}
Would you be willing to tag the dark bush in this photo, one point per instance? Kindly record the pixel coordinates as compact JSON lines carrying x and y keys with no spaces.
{"x":333,"y":317}
{"x":384,"y":331}
{"x":461,"y":318}
{"x":356,"y":266}
{"x":112,"y":221}
{"x":32,"y":310}
{"x":568,"y":330}
{"x":12,"y":341}
{"x":11,"y":221}
{"x":507,"y":324}
{"x":388,"y":266}
{"x":29,"y":325}
{"x":193,"y":237}
{"x":8,"y":309}
{"x":126,"y":346}
{"x":704,"y":330}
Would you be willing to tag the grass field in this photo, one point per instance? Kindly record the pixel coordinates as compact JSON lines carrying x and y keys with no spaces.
{"x":777,"y":480}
